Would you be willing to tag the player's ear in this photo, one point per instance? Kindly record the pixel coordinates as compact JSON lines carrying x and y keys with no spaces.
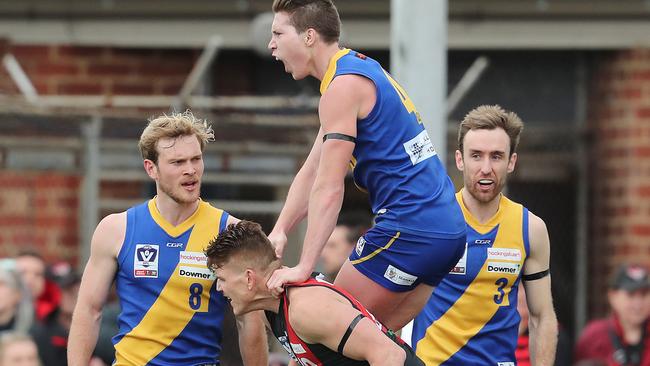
{"x":250,"y":279}
{"x":459,"y":160}
{"x":511,"y":162}
{"x":310,"y":37}
{"x":151,"y":168}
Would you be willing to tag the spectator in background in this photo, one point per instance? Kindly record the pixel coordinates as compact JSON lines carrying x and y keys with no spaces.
{"x":51,"y":335}
{"x":17,"y":349}
{"x":338,"y":247}
{"x":45,"y":293}
{"x":16,"y":314}
{"x":624,"y":337}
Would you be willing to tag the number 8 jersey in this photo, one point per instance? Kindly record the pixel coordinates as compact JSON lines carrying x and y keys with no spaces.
{"x":171,"y":312}
{"x":471,"y":317}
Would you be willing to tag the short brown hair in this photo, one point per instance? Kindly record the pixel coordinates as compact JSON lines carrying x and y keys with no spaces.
{"x":489,"y":117}
{"x":244,"y":240}
{"x":321,"y":15}
{"x":173,"y":126}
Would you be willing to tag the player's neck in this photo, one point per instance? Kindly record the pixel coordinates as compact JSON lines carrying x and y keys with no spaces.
{"x":173,"y":212}
{"x":482,"y":211}
{"x":322,"y":57}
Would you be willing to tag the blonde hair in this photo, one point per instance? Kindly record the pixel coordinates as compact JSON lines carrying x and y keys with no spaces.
{"x":490,"y":117}
{"x":173,"y":126}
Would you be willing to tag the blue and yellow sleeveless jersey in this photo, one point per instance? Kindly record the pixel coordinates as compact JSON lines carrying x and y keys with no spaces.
{"x":394,"y":159}
{"x":471,"y":317}
{"x":171,"y":311}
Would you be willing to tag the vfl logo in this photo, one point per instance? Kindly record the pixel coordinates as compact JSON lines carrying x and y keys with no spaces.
{"x":360,"y":244}
{"x":147,"y":255}
{"x":145,"y":263}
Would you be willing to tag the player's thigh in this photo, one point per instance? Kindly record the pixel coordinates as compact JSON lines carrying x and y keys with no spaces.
{"x":379,"y":300}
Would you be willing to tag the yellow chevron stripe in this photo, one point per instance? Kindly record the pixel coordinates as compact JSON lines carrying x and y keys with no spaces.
{"x":369,"y":256}
{"x":331,"y":70}
{"x":171,"y":312}
{"x":476,"y":307}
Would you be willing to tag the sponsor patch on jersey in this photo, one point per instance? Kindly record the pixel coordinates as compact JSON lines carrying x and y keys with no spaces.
{"x":461,"y":267}
{"x":508,"y":254}
{"x":399,"y":277}
{"x":360,"y":244}
{"x":145,"y":263}
{"x":503,"y":267}
{"x":174,"y":245}
{"x":419,"y":148}
{"x":298,"y":348}
{"x":482,"y":241}
{"x":197,"y":258}
{"x":196,"y":272}
{"x":505,"y":364}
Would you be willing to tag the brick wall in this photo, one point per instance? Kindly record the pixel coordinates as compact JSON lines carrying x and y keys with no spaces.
{"x":39,"y":210}
{"x":620,"y":171}
{"x":61,"y":69}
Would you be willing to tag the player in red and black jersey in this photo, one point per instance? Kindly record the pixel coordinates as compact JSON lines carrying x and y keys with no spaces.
{"x":316,"y":322}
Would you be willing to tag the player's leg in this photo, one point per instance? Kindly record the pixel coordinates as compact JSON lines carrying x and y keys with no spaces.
{"x":380,"y":301}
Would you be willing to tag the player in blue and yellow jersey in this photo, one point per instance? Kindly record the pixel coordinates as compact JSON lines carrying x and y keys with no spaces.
{"x":366,"y":121}
{"x":171,"y":311}
{"x":472,"y":318}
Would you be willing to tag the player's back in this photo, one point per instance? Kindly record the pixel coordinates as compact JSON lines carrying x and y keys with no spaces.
{"x":394,"y":159}
{"x":317,"y":354}
{"x":171,"y":311}
{"x":471,"y":317}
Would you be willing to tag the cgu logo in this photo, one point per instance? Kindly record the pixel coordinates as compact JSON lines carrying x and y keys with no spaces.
{"x":483,"y":241}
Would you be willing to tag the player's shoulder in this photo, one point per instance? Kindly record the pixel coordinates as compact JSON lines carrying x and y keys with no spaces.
{"x":113,"y":222}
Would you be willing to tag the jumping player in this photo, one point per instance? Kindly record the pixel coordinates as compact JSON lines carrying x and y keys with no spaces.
{"x":367,"y":121}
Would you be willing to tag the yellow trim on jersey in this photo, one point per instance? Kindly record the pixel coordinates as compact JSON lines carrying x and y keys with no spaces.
{"x":170,"y":229}
{"x":476,"y":306}
{"x":170,"y":313}
{"x":331,"y":69}
{"x":371,"y":255}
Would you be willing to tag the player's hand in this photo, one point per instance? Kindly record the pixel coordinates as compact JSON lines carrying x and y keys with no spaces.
{"x":286,"y":275}
{"x":279,"y":241}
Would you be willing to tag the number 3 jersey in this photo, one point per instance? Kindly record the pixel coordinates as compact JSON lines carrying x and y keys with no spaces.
{"x":471,"y":317}
{"x":171,"y":312}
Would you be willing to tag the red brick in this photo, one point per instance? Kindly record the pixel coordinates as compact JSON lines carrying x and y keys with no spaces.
{"x":31,"y":52}
{"x":642,"y":152}
{"x":643,"y":112}
{"x":81,"y":51}
{"x":14,"y":220}
{"x":15,"y":181}
{"x":104,"y":69}
{"x":87,"y":87}
{"x":641,"y":230}
{"x":164,"y":69}
{"x":56,"y":69}
{"x":132,"y":88}
{"x":53,"y":180}
{"x":55,"y":222}
{"x":68,"y":203}
{"x":643,"y":191}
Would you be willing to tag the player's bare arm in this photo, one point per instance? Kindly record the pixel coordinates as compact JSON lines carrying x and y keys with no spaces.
{"x":252,"y":338}
{"x":295,"y":207}
{"x":543,"y":322}
{"x":95,"y":286}
{"x":339,"y":109}
{"x":366,"y":342}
